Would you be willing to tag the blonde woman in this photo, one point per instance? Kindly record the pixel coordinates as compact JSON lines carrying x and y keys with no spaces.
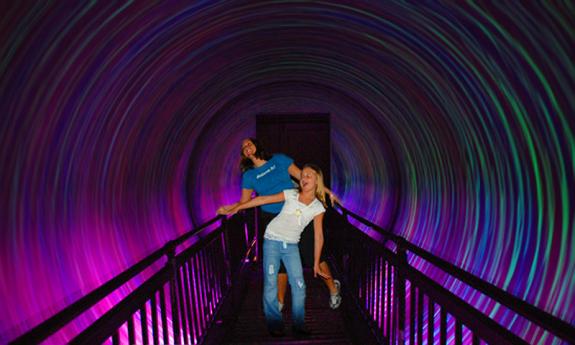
{"x":281,"y":239}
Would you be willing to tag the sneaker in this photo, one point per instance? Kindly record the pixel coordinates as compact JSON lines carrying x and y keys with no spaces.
{"x":335,"y":300}
{"x":280,"y":306}
{"x":276,"y":333}
{"x":301,"y":332}
{"x":337,"y":285}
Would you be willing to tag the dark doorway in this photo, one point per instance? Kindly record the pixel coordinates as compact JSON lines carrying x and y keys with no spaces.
{"x":303,"y":137}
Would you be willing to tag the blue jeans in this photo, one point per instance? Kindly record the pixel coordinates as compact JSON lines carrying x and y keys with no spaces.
{"x":274,"y":252}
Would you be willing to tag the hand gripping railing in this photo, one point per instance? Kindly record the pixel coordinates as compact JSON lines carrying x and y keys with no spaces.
{"x":381,"y":279}
{"x":195,"y":281}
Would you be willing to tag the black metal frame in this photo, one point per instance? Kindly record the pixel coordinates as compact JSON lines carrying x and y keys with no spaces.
{"x":195,"y":281}
{"x":378,"y":277}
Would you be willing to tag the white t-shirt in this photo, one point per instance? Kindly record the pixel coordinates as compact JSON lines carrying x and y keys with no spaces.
{"x":288,"y":225}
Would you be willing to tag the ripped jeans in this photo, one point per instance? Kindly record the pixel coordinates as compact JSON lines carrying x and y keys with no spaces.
{"x":274,"y":251}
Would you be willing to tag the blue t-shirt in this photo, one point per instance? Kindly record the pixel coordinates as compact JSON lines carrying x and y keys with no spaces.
{"x":271,"y":178}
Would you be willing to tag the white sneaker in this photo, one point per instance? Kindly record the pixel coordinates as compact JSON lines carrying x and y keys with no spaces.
{"x":280,"y":306}
{"x":335,"y":300}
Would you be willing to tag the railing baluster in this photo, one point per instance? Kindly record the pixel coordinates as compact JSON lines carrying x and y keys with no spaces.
{"x":116,"y":337}
{"x":388,"y":302}
{"x":381,"y":316}
{"x":381,"y":295}
{"x":213,"y":280}
{"x":430,"y":320}
{"x":372,"y":291}
{"x":164,"y":315}
{"x":154,"y":312}
{"x":216,"y":270}
{"x":400,"y":292}
{"x":412,"y":314}
{"x":419,"y":316}
{"x":131,"y":331}
{"x":458,"y":333}
{"x":393,"y":304}
{"x":362,"y":284}
{"x":475,"y":340}
{"x":181,"y":306}
{"x":382,"y":282}
{"x":372,"y":286}
{"x":187,"y":293}
{"x":220,"y":260}
{"x":173,"y":294}
{"x":144,"y":324}
{"x":193,"y":263}
{"x":226,"y":248}
{"x":203,"y":289}
{"x":375,"y":287}
{"x":442,"y":326}
{"x":207,"y":282}
{"x":193,"y":300}
{"x":198,"y":288}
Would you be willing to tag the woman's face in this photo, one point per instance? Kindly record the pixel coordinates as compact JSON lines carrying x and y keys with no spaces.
{"x":308,"y":180}
{"x":248,"y":148}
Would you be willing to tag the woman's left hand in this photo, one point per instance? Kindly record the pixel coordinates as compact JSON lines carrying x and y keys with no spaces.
{"x":334,"y":199}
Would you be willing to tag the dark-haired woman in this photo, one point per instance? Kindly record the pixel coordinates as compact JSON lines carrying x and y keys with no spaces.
{"x":271,"y":174}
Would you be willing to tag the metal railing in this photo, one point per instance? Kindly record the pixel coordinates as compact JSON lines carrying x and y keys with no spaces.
{"x":402,"y":305}
{"x":175,"y":305}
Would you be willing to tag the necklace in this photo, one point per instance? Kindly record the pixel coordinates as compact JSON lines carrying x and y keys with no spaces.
{"x":298,"y":212}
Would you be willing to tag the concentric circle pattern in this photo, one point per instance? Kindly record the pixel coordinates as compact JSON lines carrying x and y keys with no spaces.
{"x":452,"y":125}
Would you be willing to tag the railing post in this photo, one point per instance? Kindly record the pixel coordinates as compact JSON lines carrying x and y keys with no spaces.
{"x":400,"y":289}
{"x":344,"y":254}
{"x":257,"y":234}
{"x":227,"y":248}
{"x":171,"y":263}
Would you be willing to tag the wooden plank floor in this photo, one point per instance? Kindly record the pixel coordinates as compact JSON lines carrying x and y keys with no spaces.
{"x":327,"y":325}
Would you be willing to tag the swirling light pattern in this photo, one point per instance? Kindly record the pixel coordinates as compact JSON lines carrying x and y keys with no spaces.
{"x":452,"y":125}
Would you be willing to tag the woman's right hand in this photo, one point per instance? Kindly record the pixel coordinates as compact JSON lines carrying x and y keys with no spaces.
{"x":318,"y":271}
{"x":225,"y":210}
{"x":222,"y":210}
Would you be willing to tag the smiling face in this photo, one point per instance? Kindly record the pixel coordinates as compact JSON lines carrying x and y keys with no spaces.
{"x":308,"y":180}
{"x":248,"y":148}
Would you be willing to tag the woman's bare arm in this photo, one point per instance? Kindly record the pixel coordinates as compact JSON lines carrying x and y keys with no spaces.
{"x":246,"y":196}
{"x":258,"y":201}
{"x":318,"y":245}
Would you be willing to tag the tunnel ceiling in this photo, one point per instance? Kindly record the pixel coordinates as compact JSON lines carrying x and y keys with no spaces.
{"x":452,"y":125}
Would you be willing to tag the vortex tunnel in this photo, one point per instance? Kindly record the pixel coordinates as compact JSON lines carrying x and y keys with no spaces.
{"x":451,"y":125}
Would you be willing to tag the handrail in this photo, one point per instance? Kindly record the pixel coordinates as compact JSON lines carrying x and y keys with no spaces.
{"x":69,"y":313}
{"x":540,"y":317}
{"x":381,"y":231}
{"x":193,"y":232}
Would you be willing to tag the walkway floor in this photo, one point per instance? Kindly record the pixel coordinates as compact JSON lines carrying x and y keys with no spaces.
{"x":327,"y":325}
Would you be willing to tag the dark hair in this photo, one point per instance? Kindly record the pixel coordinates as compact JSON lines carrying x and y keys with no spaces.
{"x":246,"y":163}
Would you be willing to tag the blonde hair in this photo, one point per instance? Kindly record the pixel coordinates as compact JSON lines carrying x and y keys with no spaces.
{"x":320,"y":188}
